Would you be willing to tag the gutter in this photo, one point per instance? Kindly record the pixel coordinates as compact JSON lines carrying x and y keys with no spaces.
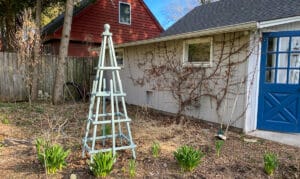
{"x":206,"y":32}
{"x":270,"y":23}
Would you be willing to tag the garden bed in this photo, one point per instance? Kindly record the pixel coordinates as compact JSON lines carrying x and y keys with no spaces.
{"x":21,"y":125}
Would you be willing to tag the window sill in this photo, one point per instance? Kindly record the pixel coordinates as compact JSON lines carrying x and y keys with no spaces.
{"x":197,"y":64}
{"x":124,"y":23}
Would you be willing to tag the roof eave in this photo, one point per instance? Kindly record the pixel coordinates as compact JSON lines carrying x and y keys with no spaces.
{"x":152,"y":16}
{"x":206,"y":32}
{"x":275,"y":22}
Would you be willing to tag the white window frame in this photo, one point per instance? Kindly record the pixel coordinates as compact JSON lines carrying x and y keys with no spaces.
{"x":186,"y":44}
{"x":120,"y":13}
{"x":122,"y":51}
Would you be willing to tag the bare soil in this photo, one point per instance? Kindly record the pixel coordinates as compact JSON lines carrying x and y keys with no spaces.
{"x":21,"y":124}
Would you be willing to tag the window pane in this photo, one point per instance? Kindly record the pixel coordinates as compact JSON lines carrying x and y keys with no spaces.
{"x":295,"y":60}
{"x":120,"y":61}
{"x":284,"y":44}
{"x":295,"y":43}
{"x":281,"y":76}
{"x":125,"y":13}
{"x":294,"y":77}
{"x":272,"y":44}
{"x":199,"y":52}
{"x":269,"y":78}
{"x":283,"y":60}
{"x":119,"y":54}
{"x":119,"y":58}
{"x":271,"y":60}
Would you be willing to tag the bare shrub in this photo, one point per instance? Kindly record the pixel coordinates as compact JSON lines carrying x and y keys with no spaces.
{"x":25,"y":39}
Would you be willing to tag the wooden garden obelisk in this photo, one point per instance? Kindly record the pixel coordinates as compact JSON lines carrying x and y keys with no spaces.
{"x":107,"y":107}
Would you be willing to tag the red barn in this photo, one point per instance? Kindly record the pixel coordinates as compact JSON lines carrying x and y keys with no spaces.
{"x":130,"y":20}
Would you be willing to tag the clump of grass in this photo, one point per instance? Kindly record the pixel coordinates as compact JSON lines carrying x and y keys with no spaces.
{"x":123,"y":169}
{"x":102,"y":164}
{"x":219,"y":144}
{"x":5,"y":121}
{"x":155,"y":149}
{"x":52,"y":157}
{"x":7,"y":105}
{"x":1,"y":144}
{"x":39,"y":109}
{"x":132,"y":168}
{"x":188,"y":157}
{"x":270,"y":163}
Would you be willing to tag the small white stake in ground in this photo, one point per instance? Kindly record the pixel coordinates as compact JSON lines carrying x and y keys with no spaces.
{"x":107,"y":138}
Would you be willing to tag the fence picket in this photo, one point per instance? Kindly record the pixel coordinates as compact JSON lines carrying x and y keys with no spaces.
{"x":12,"y":74}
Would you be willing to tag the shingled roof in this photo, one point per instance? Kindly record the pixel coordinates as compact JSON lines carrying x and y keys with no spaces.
{"x":233,"y":12}
{"x":58,"y":21}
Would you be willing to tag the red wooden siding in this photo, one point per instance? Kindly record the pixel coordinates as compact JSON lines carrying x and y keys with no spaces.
{"x":87,"y":25}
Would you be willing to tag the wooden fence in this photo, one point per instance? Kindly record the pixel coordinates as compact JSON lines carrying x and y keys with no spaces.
{"x":12,"y":74}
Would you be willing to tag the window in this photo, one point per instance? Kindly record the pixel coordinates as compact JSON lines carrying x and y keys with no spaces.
{"x":282,"y":64}
{"x":124,"y":13}
{"x":120,"y":57}
{"x":119,"y":54}
{"x":198,"y":52}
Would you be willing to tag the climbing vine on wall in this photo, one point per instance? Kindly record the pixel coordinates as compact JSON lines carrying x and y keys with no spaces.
{"x":162,"y":69}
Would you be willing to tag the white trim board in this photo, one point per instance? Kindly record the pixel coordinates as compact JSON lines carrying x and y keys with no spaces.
{"x":270,"y":23}
{"x":253,"y":83}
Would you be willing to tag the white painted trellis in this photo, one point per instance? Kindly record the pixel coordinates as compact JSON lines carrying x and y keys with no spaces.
{"x":104,"y":117}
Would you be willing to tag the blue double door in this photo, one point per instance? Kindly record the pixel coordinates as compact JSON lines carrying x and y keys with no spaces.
{"x":279,"y":91}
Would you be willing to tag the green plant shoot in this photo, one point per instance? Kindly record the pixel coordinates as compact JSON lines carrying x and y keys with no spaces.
{"x":155,"y":149}
{"x":107,"y":130}
{"x":132,"y":168}
{"x":4,"y":119}
{"x":102,"y":164}
{"x":52,"y":157}
{"x":219,"y":144}
{"x":270,"y":163}
{"x":188,"y":157}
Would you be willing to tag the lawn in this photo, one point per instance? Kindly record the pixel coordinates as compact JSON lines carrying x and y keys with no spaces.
{"x":21,"y":125}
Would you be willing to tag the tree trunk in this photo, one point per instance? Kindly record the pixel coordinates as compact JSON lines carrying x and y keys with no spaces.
{"x":37,"y":45}
{"x":57,"y":96}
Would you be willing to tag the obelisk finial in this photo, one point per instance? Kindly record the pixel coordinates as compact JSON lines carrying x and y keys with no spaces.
{"x":106,"y":27}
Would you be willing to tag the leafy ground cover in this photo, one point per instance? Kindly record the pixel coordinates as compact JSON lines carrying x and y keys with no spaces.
{"x":21,"y":125}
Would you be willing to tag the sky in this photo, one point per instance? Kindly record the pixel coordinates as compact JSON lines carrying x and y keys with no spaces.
{"x":169,"y":11}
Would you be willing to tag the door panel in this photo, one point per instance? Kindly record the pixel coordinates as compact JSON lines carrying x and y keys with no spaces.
{"x":279,"y":93}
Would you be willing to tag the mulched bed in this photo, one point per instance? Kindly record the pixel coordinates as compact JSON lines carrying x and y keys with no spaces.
{"x":65,"y":124}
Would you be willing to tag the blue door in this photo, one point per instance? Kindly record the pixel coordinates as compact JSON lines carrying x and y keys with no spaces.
{"x":279,"y":91}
